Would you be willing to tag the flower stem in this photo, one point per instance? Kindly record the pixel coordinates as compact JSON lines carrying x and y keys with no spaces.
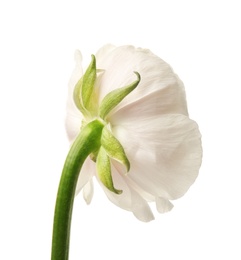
{"x":87,"y":142}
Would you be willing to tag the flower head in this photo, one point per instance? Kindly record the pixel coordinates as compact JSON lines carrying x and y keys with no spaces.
{"x":148,"y":126}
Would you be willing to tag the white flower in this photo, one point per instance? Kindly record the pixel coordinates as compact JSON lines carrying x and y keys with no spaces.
{"x":162,"y":144}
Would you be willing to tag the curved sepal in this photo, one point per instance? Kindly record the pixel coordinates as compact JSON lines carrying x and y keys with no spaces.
{"x":84,"y":89}
{"x":88,"y":83}
{"x":77,"y":97}
{"x":113,"y":148}
{"x":104,"y":170}
{"x":112,"y":99}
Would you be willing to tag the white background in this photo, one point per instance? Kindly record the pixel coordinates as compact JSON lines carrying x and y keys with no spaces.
{"x":201,"y":41}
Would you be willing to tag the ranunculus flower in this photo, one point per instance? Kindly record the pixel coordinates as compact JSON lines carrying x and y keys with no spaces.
{"x":162,"y":144}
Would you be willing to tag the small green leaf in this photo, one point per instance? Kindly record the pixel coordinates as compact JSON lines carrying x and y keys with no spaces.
{"x":84,"y":89}
{"x":77,"y":97}
{"x":104,"y":170}
{"x":88,"y":83}
{"x":113,"y":148}
{"x":112,"y":99}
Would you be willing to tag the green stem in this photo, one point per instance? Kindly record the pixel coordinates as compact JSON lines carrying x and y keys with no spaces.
{"x":87,"y":142}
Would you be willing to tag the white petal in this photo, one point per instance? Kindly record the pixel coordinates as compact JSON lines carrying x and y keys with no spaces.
{"x":73,"y":123}
{"x":119,"y":64}
{"x":73,"y":115}
{"x":121,"y":200}
{"x":86,"y":173}
{"x":165,"y":154}
{"x":103,"y":52}
{"x":163,"y":205}
{"x":129,"y":199}
{"x":168,"y":100}
{"x":88,"y":191}
{"x":140,"y":207}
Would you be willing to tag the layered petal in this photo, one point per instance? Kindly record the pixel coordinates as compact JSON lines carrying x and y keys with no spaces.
{"x":168,"y":100}
{"x":157,"y":77}
{"x":104,"y":51}
{"x":86,"y":174}
{"x":88,"y":191}
{"x":163,"y":205}
{"x":129,"y":199}
{"x":140,"y":207}
{"x":122,"y":200}
{"x":165,"y":153}
{"x":73,"y":118}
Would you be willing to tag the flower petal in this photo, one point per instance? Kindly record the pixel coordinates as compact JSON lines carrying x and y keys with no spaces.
{"x":140,"y":207}
{"x":156,"y":74}
{"x":165,"y":153}
{"x":86,"y":174}
{"x":122,"y":200}
{"x":163,"y":205}
{"x":73,"y":116}
{"x":88,"y":191}
{"x":168,"y":100}
{"x":129,"y":199}
{"x":104,"y":51}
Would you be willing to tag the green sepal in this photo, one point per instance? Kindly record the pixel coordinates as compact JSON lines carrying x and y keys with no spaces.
{"x":77,"y":97}
{"x":88,"y":83}
{"x":84,"y":89}
{"x":112,"y":99}
{"x":113,"y":148}
{"x":104,"y":170}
